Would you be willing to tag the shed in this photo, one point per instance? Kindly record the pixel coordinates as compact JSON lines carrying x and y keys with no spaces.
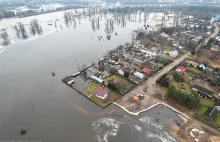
{"x":203,"y":91}
{"x":95,"y":78}
{"x":211,"y":114}
{"x":217,"y":104}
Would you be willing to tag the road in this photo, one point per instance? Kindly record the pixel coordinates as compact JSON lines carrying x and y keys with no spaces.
{"x":213,"y":35}
{"x":151,"y":82}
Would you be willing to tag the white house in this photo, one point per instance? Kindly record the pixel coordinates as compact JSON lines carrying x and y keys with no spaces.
{"x":202,"y":66}
{"x":150,"y":54}
{"x":139,"y":75}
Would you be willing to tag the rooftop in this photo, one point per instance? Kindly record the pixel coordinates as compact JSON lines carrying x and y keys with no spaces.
{"x":203,"y":90}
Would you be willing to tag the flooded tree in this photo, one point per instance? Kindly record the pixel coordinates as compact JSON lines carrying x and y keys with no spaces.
{"x":55,"y":24}
{"x":35,"y":27}
{"x":4,"y":36}
{"x":67,"y":18}
{"x":93,"y":24}
{"x":97,"y":23}
{"x":15,"y":27}
{"x":22,"y":30}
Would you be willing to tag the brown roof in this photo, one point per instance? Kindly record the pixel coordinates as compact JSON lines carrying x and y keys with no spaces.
{"x":101,"y":91}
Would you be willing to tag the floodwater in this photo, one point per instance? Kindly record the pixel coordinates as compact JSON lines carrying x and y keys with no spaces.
{"x":51,"y":111}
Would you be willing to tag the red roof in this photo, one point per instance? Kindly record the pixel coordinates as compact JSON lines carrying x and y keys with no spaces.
{"x":146,"y":70}
{"x":182,"y":69}
{"x":125,"y":69}
{"x":101,"y":91}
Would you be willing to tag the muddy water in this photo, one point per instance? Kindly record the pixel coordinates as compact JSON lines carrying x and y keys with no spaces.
{"x":51,"y":111}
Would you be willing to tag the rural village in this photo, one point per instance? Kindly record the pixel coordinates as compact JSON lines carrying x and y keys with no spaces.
{"x":176,"y":66}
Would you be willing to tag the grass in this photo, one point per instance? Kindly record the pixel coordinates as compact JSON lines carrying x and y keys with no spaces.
{"x":114,"y":77}
{"x":194,"y":70}
{"x":180,"y":87}
{"x":206,"y":102}
{"x":202,"y":111}
{"x":217,"y":120}
{"x":91,"y":90}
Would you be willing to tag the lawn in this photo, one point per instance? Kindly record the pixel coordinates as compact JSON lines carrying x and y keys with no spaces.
{"x":217,"y":120}
{"x":179,"y":85}
{"x":202,"y":111}
{"x":114,"y":77}
{"x":194,"y":70}
{"x":91,"y":90}
{"x":206,"y":102}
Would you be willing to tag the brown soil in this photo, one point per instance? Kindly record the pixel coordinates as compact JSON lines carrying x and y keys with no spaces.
{"x":205,"y":56}
{"x":215,"y":139}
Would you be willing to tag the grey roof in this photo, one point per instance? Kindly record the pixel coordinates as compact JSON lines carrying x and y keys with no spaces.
{"x":67,"y":79}
{"x":211,"y":113}
{"x":202,"y":90}
{"x":217,"y":103}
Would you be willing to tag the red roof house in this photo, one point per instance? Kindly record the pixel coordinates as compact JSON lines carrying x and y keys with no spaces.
{"x":181,"y":69}
{"x":102,"y":93}
{"x":146,"y":70}
{"x":125,"y":69}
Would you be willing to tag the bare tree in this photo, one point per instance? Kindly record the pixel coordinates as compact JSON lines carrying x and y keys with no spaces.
{"x":35,"y":27}
{"x":4,"y":36}
{"x":22,"y":30}
{"x":15,"y":27}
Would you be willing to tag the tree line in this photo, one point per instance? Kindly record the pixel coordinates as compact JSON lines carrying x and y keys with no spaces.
{"x":190,"y":100}
{"x":21,"y":31}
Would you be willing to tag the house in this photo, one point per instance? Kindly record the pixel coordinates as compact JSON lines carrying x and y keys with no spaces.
{"x":146,"y":70}
{"x":214,"y":49}
{"x":169,"y":39}
{"x":170,"y":78}
{"x":197,"y":40}
{"x":69,"y":80}
{"x":150,"y":54}
{"x":204,"y":65}
{"x":211,"y":114}
{"x":139,"y":75}
{"x":203,"y":92}
{"x":174,"y":54}
{"x":101,"y":93}
{"x":181,"y":69}
{"x":121,"y":72}
{"x":217,"y":104}
{"x":95,"y":78}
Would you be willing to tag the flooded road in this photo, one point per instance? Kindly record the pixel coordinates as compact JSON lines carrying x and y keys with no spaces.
{"x":51,"y":111}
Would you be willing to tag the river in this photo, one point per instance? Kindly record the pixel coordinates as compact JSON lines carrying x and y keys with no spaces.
{"x":51,"y":111}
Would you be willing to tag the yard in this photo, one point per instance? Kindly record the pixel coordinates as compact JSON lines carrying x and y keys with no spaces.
{"x":217,"y":120}
{"x":206,"y":102}
{"x":202,"y":111}
{"x":121,"y":83}
{"x":181,"y":85}
{"x":91,"y":90}
{"x":206,"y":55}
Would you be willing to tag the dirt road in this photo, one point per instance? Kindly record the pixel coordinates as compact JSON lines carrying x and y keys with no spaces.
{"x":151,"y":82}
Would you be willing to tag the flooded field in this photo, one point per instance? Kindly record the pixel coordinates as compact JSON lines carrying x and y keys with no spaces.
{"x":51,"y":111}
